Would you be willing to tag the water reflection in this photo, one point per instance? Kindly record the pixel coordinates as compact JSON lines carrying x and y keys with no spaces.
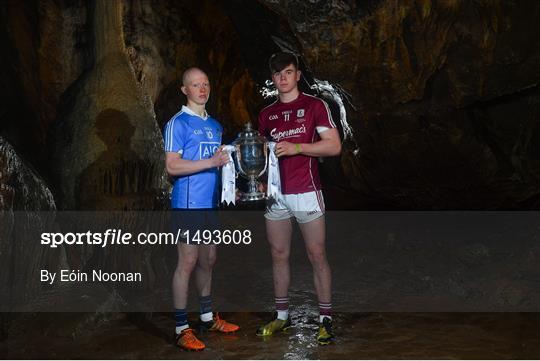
{"x":359,"y":336}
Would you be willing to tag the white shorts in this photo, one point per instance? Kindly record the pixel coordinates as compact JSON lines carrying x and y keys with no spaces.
{"x":305,"y":207}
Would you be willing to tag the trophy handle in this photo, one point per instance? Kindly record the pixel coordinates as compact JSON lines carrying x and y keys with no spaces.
{"x":265,"y":159}
{"x":238,"y":159}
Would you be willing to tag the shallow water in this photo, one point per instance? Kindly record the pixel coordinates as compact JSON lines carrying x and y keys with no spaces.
{"x":359,"y":336}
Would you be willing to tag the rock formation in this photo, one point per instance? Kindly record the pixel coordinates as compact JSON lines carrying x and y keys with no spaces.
{"x":109,"y":154}
{"x":22,"y":194}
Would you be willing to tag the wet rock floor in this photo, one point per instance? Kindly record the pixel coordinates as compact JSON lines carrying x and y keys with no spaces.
{"x":359,"y":336}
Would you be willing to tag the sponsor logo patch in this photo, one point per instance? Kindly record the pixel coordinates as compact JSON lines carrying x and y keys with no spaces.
{"x":207,"y":149}
{"x":289,"y":133}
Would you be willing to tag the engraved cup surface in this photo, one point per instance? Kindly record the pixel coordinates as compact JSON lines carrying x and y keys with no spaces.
{"x":251,"y":157}
{"x":251,"y":153}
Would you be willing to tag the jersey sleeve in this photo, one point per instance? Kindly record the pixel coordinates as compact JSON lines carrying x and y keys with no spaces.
{"x":220,"y":130}
{"x":323,"y":116}
{"x":174,"y":136}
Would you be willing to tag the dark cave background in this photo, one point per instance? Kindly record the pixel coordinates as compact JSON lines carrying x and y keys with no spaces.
{"x":441,"y":97}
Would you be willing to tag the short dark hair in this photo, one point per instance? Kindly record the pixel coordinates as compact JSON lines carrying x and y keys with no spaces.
{"x":281,"y":60}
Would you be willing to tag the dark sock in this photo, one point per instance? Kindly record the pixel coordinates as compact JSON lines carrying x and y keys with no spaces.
{"x":206,"y":305}
{"x":180,"y":316}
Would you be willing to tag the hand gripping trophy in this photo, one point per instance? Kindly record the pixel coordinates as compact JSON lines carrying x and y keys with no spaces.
{"x":252,"y":155}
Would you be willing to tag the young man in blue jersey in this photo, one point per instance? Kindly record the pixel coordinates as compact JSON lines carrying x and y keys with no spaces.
{"x":193,"y":157}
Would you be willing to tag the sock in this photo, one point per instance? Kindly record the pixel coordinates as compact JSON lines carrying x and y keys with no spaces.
{"x":322,"y":317}
{"x":180,"y":316}
{"x":325,"y":310}
{"x":282,"y":307}
{"x":206,"y":308}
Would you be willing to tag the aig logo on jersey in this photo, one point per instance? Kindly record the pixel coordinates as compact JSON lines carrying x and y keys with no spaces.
{"x":207,"y":149}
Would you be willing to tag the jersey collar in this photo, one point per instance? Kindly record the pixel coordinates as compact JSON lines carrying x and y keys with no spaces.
{"x":300,"y":95}
{"x":185,"y":109}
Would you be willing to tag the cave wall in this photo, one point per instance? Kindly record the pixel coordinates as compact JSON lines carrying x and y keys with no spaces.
{"x":44,"y":51}
{"x":442,"y":96}
{"x":107,"y":148}
{"x":164,"y":38}
{"x":22,"y":190}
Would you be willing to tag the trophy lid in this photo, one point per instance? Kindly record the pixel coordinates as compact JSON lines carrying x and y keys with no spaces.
{"x":249,"y":133}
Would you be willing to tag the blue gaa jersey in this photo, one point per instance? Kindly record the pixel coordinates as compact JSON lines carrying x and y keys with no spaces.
{"x":194,"y":138}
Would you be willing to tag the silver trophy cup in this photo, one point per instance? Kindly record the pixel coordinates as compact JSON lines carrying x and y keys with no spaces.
{"x":251,"y":159}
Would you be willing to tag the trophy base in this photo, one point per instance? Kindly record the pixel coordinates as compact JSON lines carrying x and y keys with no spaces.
{"x":251,"y":197}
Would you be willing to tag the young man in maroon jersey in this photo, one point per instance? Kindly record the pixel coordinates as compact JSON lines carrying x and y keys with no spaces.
{"x":303,"y":128}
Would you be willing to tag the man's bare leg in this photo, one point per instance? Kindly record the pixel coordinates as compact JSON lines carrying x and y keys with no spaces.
{"x":187,"y":259}
{"x":203,"y":279}
{"x":279,"y":236}
{"x":314,"y":234}
{"x":203,"y":269}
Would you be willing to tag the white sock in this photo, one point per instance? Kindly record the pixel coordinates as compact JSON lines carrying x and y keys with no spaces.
{"x":282,"y":314}
{"x":206,"y":317}
{"x":321,"y":318}
{"x":181,"y":328}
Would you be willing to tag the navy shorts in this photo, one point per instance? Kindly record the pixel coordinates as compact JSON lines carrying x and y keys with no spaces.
{"x":194,"y":220}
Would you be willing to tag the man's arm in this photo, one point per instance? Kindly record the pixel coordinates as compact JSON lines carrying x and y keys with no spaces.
{"x":177,"y":166}
{"x":329,"y":145}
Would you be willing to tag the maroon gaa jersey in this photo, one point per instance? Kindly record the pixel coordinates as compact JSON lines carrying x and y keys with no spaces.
{"x":297,"y":122}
